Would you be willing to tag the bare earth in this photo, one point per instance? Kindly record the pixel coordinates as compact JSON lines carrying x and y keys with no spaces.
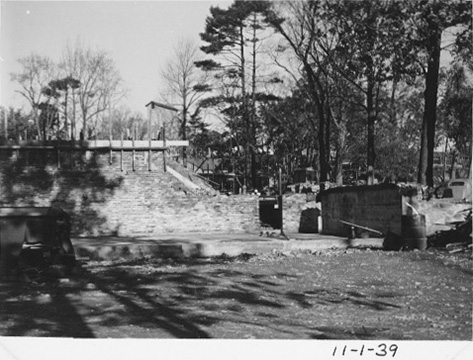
{"x":334,"y":294}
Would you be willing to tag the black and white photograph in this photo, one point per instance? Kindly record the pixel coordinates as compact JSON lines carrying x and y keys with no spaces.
{"x":236,"y":179}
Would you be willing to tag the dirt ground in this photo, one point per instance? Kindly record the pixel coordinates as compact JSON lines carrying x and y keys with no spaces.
{"x":355,"y":294}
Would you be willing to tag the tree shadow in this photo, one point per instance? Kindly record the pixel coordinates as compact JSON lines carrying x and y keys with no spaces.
{"x":77,"y":186}
{"x":337,"y":332}
{"x":179,"y":299}
{"x":197,"y":300}
{"x":40,"y":311}
{"x":335,"y":296}
{"x":143,"y":309}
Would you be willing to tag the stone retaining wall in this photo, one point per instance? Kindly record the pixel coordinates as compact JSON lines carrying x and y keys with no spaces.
{"x":103,"y":199}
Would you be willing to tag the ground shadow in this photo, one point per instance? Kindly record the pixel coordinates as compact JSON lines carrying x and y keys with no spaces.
{"x":29,"y":310}
{"x":74,"y":184}
{"x":185,"y":298}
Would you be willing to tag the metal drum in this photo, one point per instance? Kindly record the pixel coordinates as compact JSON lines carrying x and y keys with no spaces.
{"x":413,"y":232}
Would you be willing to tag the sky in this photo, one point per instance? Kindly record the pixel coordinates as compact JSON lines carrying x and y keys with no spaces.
{"x":138,"y":35}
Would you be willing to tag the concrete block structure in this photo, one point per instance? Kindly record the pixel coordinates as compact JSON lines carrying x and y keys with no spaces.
{"x":378,"y":207}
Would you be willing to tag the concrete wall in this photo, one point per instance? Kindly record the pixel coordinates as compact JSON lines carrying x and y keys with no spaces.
{"x":103,"y":199}
{"x":378,"y":207}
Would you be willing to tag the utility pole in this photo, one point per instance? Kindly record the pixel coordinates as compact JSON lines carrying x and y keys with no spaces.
{"x":280,"y":203}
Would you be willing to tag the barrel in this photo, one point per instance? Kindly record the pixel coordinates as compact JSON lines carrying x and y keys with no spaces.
{"x":413,"y":232}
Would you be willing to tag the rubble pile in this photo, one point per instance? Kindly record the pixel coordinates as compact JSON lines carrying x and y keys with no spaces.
{"x":457,"y":239}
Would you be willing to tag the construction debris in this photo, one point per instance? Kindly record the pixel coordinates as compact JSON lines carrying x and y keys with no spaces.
{"x":457,"y":239}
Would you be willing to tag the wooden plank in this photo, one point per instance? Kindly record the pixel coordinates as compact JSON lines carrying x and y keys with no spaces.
{"x":121,"y":152}
{"x":111,"y":152}
{"x":133,"y":153}
{"x":361,"y":227}
{"x":164,"y":152}
{"x":96,"y":145}
{"x":149,"y":153}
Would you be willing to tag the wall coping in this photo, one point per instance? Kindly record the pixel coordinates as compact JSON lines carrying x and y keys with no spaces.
{"x":359,"y":188}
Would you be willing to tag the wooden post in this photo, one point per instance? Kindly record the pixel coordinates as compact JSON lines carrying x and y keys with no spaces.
{"x":280,"y":203}
{"x":149,"y":154}
{"x":121,"y":152}
{"x":149,"y":136}
{"x":111,"y":152}
{"x":133,"y":151}
{"x":111,"y":134}
{"x":95,"y":147}
{"x":164,"y":145}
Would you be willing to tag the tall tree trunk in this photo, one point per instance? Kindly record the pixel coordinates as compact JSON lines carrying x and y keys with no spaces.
{"x":74,"y":113}
{"x":444,"y":171}
{"x":371,"y":153}
{"x":422,"y":171}
{"x":452,"y":166}
{"x":245,"y":101}
{"x":327,"y":117}
{"x":37,"y":123}
{"x":320,"y":110}
{"x":342,"y":134}
{"x":426,"y":161}
{"x":392,"y":110}
{"x":322,"y":148}
{"x":253,"y":109}
{"x":468,"y":166}
{"x":184,"y":132}
{"x":65,"y":116}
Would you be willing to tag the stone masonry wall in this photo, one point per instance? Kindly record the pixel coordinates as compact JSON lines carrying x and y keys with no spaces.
{"x":103,"y":199}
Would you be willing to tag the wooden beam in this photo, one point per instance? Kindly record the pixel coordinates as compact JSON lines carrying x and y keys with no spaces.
{"x":149,"y":136}
{"x":164,"y":152}
{"x":98,"y":145}
{"x":133,"y":151}
{"x":111,"y":151}
{"x":361,"y":227}
{"x":121,"y":152}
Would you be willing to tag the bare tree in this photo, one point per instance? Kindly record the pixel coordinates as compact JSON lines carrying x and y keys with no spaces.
{"x":297,"y":23}
{"x":36,"y":73}
{"x":101,"y":85}
{"x":118,"y":123}
{"x":184,"y":81}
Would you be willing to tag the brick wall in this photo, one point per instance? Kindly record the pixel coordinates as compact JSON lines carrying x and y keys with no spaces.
{"x":104,"y":199}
